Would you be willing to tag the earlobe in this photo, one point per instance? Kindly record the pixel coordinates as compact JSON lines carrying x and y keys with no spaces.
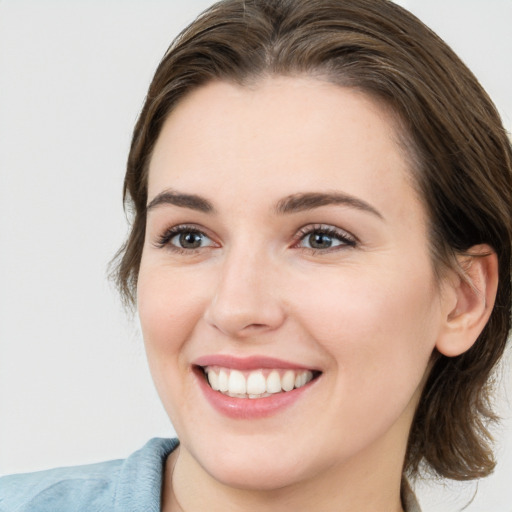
{"x":469,"y":302}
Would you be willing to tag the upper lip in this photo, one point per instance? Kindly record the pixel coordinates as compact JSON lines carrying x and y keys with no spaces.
{"x":248,"y":363}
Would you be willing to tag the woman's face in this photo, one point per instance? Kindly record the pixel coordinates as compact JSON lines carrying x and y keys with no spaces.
{"x":284,"y":243}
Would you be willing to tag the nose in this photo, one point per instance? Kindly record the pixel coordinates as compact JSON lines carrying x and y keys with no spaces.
{"x":246,"y":299}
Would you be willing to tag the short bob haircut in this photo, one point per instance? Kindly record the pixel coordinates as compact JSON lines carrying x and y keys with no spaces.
{"x":459,"y":154}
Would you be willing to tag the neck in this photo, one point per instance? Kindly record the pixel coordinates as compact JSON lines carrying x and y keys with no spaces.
{"x":354,"y":486}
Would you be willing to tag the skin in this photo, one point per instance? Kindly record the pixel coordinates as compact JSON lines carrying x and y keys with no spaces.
{"x":367,"y":315}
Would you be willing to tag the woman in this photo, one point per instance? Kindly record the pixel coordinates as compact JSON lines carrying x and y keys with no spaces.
{"x":320,"y":256}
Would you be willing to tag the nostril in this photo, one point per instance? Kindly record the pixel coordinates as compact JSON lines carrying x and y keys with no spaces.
{"x":256,"y":326}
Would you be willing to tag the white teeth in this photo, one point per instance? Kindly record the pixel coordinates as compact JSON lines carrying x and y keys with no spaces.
{"x":273,"y":382}
{"x":253,"y":384}
{"x":213,"y":379}
{"x":256,"y":384}
{"x":223,"y":381}
{"x":236,"y":383}
{"x":288,"y":381}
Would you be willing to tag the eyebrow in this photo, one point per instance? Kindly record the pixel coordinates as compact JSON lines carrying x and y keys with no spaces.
{"x":191,"y":201}
{"x":308,"y":201}
{"x":291,"y":204}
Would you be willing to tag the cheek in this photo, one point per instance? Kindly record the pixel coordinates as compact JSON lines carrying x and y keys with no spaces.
{"x":366,"y":303}
{"x":379,"y":331}
{"x":167,"y":304}
{"x":167,"y":317}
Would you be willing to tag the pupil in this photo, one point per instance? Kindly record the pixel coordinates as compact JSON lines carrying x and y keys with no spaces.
{"x":320,"y":241}
{"x":190,"y":240}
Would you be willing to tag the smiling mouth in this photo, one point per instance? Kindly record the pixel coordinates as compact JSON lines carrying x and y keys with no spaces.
{"x":258,"y":383}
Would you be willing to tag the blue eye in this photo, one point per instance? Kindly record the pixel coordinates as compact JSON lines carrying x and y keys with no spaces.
{"x":322,"y":238}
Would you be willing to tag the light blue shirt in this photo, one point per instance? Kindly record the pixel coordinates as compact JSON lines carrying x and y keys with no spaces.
{"x":130,"y":485}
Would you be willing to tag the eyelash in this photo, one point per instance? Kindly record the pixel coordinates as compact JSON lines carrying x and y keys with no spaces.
{"x":346,"y":239}
{"x":164,"y":240}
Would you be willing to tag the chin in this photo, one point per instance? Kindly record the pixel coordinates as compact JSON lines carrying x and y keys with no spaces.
{"x":268,"y":477}
{"x":256,"y":464}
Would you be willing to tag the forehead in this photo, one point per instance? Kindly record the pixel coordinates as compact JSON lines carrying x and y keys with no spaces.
{"x":285,"y":135}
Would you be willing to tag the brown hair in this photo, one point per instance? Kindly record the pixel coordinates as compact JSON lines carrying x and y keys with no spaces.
{"x":462,"y":164}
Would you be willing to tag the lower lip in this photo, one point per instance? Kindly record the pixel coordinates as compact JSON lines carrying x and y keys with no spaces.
{"x":250,"y":408}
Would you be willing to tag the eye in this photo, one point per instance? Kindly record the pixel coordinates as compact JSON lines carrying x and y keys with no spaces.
{"x":188,"y":240}
{"x":184,"y":238}
{"x":323,"y":238}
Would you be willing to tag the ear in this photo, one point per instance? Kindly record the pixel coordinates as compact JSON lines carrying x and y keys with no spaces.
{"x":468,"y":300}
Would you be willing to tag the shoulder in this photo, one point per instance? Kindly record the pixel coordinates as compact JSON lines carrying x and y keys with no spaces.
{"x":58,"y":489}
{"x":106,"y":486}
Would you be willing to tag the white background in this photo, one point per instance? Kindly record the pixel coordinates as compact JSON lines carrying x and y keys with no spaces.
{"x":74,"y":386}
